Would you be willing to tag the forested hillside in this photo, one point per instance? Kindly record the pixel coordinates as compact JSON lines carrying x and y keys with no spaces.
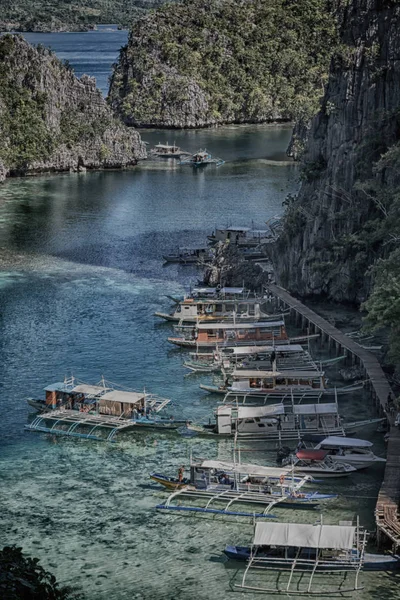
{"x":206,"y":62}
{"x":342,"y":232}
{"x":52,"y":121}
{"x":69,"y":15}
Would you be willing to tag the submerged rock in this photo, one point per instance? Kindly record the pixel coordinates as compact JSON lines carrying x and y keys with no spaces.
{"x":52,"y":121}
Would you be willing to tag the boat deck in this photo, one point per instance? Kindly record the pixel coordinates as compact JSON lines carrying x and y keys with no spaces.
{"x":386,"y":511}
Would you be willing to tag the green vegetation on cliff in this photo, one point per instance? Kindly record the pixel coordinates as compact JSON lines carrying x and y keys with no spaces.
{"x":205,"y":62}
{"x":50,"y":120}
{"x":63,"y":15}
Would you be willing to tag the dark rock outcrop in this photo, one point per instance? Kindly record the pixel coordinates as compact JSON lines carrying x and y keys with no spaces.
{"x":228,"y":268}
{"x":52,"y":121}
{"x":330,"y":235}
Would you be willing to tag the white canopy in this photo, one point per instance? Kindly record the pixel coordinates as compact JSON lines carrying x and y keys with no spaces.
{"x":338,"y":442}
{"x":233,"y":228}
{"x":315,"y":409}
{"x":244,"y":374}
{"x":89,"y":390}
{"x":267,"y":324}
{"x":338,"y":537}
{"x":124,"y":397}
{"x":243,"y":469}
{"x":261,"y":349}
{"x":231,"y":290}
{"x":204,"y":290}
{"x":250,"y":412}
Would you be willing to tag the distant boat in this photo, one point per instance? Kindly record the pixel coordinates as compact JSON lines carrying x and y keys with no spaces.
{"x":187,"y":256}
{"x":201,"y":158}
{"x":167,"y":151}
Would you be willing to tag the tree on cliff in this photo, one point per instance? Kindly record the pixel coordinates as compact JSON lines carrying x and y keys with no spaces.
{"x":22,"y":578}
{"x":204,"y":62}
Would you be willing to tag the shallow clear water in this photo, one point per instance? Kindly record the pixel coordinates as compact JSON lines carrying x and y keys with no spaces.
{"x":81,"y":276}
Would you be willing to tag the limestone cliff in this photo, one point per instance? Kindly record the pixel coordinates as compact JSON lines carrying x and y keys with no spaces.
{"x":52,"y":121}
{"x":339,"y":224}
{"x":207,"y":62}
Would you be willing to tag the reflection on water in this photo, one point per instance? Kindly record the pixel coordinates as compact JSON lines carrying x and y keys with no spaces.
{"x":81,"y":278}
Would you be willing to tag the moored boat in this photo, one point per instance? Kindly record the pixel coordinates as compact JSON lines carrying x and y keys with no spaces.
{"x":231,"y":483}
{"x":352,"y":451}
{"x":98,"y":412}
{"x":210,"y":335}
{"x":293,"y":549}
{"x":318,"y":463}
{"x":202,"y":158}
{"x":186,"y":256}
{"x":167,"y":151}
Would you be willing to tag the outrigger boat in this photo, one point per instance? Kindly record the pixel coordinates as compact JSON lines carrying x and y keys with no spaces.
{"x":97,"y":412}
{"x":187,"y":256}
{"x":221,"y":481}
{"x":227,"y":358}
{"x":202,"y":158}
{"x":219,"y":293}
{"x":210,"y":335}
{"x":167,"y":151}
{"x":191,"y":310}
{"x":292,"y":549}
{"x":280,"y":422}
{"x":264,"y":384}
{"x":241,"y":236}
{"x":318,"y":463}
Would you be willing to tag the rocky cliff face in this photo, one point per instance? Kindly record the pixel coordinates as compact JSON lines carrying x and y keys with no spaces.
{"x":52,"y":121}
{"x":333,"y":229}
{"x":208,"y":62}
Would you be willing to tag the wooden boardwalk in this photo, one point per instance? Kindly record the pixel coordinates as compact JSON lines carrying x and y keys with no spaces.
{"x":386,"y":511}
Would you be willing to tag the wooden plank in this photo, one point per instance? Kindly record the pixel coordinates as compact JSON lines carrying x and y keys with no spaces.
{"x":386,"y":511}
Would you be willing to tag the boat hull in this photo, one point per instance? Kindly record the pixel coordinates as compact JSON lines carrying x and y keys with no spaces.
{"x":372,"y":562}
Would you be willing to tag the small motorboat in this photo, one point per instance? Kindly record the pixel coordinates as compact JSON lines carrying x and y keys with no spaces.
{"x":352,"y":451}
{"x":318,"y":463}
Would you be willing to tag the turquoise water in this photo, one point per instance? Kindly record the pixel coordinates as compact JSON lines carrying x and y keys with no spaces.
{"x":81,"y":276}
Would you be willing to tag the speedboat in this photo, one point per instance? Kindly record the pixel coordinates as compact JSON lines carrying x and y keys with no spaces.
{"x":351,"y":451}
{"x":318,"y":463}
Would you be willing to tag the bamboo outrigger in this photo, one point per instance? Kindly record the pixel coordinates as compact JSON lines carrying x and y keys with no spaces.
{"x":231,"y":483}
{"x":210,"y":335}
{"x":97,"y":412}
{"x":281,"y":422}
{"x":296,"y":549}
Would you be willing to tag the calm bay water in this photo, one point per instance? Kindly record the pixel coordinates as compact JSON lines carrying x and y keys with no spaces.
{"x":81,"y":276}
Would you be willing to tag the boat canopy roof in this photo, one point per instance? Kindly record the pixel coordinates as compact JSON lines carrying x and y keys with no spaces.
{"x":124,"y":397}
{"x":269,"y":324}
{"x":251,"y":412}
{"x":311,"y":454}
{"x":335,"y":441}
{"x":87,"y":390}
{"x":298,"y":535}
{"x":328,"y":408}
{"x":233,"y":228}
{"x":248,"y":412}
{"x":60,"y":386}
{"x":244,"y":374}
{"x":260,"y":349}
{"x":204,"y":290}
{"x":167,"y":145}
{"x":244,"y":469}
{"x":231,"y":290}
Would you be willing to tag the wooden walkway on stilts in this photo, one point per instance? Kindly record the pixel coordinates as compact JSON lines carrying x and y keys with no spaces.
{"x":386,"y":511}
